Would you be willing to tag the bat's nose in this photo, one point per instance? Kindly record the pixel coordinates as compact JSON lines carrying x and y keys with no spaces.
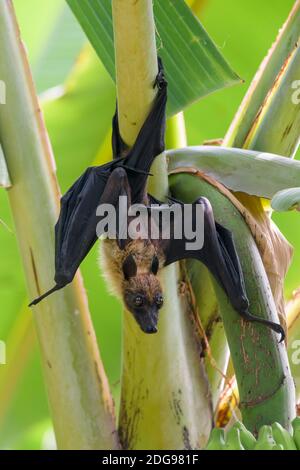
{"x":151,"y":329}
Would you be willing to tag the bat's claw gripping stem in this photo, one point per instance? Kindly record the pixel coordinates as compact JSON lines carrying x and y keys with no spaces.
{"x":160,"y":80}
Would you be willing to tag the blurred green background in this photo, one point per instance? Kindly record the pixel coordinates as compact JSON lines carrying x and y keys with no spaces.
{"x":76,"y":94}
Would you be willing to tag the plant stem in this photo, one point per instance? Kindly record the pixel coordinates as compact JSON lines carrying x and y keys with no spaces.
{"x":265,"y":384}
{"x":79,"y":397}
{"x":165,"y":402}
{"x":216,"y":359}
{"x":268,"y":121}
{"x":136,"y":63}
{"x":262,"y":94}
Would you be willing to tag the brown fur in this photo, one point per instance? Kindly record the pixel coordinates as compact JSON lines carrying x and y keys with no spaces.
{"x":112,"y":259}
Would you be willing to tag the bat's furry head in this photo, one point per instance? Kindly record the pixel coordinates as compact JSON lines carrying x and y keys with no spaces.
{"x":142,"y":293}
{"x":131,"y":275}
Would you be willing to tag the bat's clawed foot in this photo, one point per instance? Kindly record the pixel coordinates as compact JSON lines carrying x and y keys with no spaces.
{"x":279,"y":329}
{"x":160,"y":80}
{"x":272,"y":325}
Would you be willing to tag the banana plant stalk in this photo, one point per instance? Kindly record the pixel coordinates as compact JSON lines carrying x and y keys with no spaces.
{"x":267,"y":121}
{"x":265,"y":384}
{"x":165,"y":402}
{"x":268,"y":118}
{"x":79,"y":397}
{"x":215,"y":349}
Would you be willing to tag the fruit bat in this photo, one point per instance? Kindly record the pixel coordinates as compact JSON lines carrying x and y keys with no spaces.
{"x":132,"y":265}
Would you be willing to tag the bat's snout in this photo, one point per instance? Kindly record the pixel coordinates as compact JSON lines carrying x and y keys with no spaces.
{"x":147,"y":321}
{"x":150,"y":329}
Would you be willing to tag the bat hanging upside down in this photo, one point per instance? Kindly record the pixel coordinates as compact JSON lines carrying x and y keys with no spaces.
{"x":132,"y":265}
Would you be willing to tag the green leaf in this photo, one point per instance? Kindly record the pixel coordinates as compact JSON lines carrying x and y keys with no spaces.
{"x":194,"y":65}
{"x":254,"y":173}
{"x":36,"y":37}
{"x":286,"y":200}
{"x":268,"y":118}
{"x":59,"y":53}
{"x":87,"y":91}
{"x":53,"y":44}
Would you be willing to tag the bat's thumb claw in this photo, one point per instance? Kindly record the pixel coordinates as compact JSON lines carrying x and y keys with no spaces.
{"x":39,"y":299}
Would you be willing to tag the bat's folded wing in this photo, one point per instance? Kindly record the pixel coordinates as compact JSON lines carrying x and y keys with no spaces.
{"x":149,"y":143}
{"x":218,"y":253}
{"x":75,"y":230}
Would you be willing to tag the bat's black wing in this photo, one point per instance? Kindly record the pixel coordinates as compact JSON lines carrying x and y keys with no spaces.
{"x":76,"y":228}
{"x":150,"y":141}
{"x":218,"y":253}
{"x":75,"y":231}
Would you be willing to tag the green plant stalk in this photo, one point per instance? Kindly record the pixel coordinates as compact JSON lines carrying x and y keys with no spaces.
{"x":216,"y":360}
{"x":276,"y":125}
{"x":78,"y":86}
{"x":79,"y":397}
{"x":165,"y":402}
{"x":265,"y":384}
{"x":267,"y":121}
{"x":279,"y":67}
{"x":176,"y":132}
{"x":135,"y":75}
{"x":217,"y":357}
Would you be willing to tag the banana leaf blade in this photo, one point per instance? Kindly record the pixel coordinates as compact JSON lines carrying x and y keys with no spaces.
{"x":255,"y":173}
{"x":194,"y":66}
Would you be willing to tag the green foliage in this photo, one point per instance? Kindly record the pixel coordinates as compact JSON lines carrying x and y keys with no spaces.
{"x":79,"y":125}
{"x":239,"y":169}
{"x":54,"y":41}
{"x":286,"y":200}
{"x":273,"y":437}
{"x":194,"y":66}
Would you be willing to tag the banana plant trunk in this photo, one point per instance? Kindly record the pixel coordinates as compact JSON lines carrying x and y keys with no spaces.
{"x":267,"y":121}
{"x":80,"y":402}
{"x":260,"y":362}
{"x":165,"y":400}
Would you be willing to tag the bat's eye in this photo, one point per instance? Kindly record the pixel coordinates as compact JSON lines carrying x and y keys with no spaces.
{"x":159,"y":300}
{"x":138,"y":301}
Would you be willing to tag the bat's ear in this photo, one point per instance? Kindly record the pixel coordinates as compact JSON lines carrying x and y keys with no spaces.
{"x":154,"y":265}
{"x":129,"y":267}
